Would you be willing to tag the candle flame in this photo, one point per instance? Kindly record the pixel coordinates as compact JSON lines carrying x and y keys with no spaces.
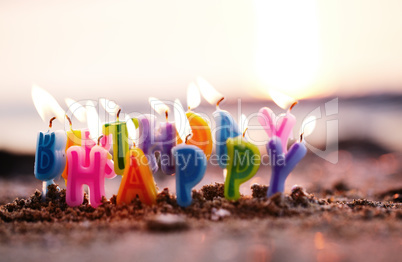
{"x":46,"y":104}
{"x":158,"y":105}
{"x":182,"y":125}
{"x":76,"y":109}
{"x":308,"y":126}
{"x":193,"y":96}
{"x":282,"y":100}
{"x":93,"y":121}
{"x":208,"y":92}
{"x":132,"y":131}
{"x":110,"y":106}
{"x":243,"y":122}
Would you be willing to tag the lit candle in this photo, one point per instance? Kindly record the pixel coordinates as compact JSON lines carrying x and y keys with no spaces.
{"x":81,"y":137}
{"x":226,"y":127}
{"x":243,"y":163}
{"x":137,"y":180}
{"x":90,"y":171}
{"x":191,"y":164}
{"x":280,"y":126}
{"x":120,"y":142}
{"x":50,"y":157}
{"x":200,"y":128}
{"x":163,"y":138}
{"x":282,"y":163}
{"x":146,"y":127}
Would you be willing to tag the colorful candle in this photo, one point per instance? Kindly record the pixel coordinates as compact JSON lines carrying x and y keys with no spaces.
{"x":226,"y":128}
{"x":92,"y":174}
{"x":50,"y":157}
{"x":165,"y":140}
{"x":191,"y":164}
{"x":146,"y":131}
{"x":201,"y":133}
{"x":81,"y":137}
{"x":243,"y":163}
{"x":282,"y":163}
{"x":137,"y":180}
{"x":280,"y":126}
{"x":120,"y":142}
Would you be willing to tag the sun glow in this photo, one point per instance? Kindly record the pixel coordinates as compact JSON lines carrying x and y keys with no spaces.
{"x":287,"y":51}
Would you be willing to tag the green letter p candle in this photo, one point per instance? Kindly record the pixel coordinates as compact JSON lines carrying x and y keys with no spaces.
{"x":243,"y":162}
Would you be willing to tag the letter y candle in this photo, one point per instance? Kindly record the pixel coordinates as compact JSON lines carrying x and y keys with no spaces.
{"x":282,"y":164}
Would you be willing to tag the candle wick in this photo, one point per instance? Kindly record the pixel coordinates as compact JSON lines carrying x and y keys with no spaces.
{"x":99,"y":139}
{"x":189,"y":135}
{"x":220,"y":100}
{"x":69,"y":121}
{"x":51,"y":122}
{"x":118,"y":114}
{"x":244,"y":133}
{"x":291,"y":107}
{"x":189,"y":109}
{"x":167,"y":115}
{"x":133,"y":144}
{"x":301,"y":137}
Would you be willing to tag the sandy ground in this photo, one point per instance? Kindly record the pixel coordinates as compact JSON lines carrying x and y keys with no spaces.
{"x":328,"y":237}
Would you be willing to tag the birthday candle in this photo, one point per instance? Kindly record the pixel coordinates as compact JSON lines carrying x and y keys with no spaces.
{"x":146,"y":131}
{"x":200,"y":128}
{"x":81,"y":137}
{"x":280,"y":126}
{"x":120,"y":142}
{"x":282,"y":163}
{"x":92,"y":174}
{"x":243,"y":163}
{"x":191,"y":164}
{"x":226,"y":127}
{"x":50,"y":157}
{"x":137,"y":180}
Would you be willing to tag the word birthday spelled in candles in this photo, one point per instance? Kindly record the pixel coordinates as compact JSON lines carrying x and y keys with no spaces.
{"x":181,"y":148}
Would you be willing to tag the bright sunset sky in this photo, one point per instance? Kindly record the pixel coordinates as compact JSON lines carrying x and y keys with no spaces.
{"x":130,"y":50}
{"x":127,"y":51}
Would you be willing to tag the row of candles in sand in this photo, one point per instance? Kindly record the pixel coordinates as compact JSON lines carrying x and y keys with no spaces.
{"x":81,"y":161}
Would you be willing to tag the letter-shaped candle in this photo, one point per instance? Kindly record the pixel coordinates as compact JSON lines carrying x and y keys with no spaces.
{"x":120,"y":143}
{"x":280,"y":126}
{"x":226,"y":128}
{"x":165,"y":141}
{"x":244,"y":161}
{"x":282,"y":164}
{"x":146,"y":131}
{"x":161,"y":139}
{"x":91,"y":174}
{"x":191,"y":164}
{"x":201,"y":133}
{"x":50,"y":157}
{"x":137,"y":180}
{"x":86,"y":142}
